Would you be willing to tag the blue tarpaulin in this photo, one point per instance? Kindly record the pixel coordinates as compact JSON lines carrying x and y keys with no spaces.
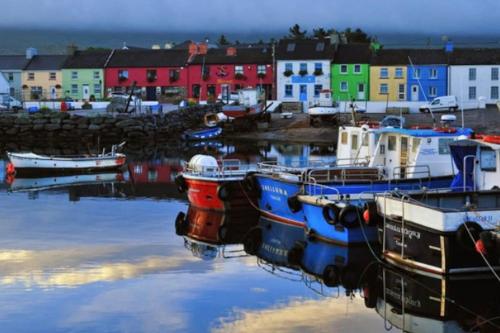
{"x":458,"y":153}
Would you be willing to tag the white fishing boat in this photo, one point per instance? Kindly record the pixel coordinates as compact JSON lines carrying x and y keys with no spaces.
{"x":25,"y":162}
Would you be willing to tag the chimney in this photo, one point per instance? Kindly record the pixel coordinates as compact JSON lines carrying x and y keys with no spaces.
{"x":31,"y":52}
{"x":202,"y":48}
{"x":71,"y":49}
{"x":193,"y":49}
{"x":231,"y":51}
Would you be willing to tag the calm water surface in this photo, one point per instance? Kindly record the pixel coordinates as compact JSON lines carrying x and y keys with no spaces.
{"x":102,"y":256}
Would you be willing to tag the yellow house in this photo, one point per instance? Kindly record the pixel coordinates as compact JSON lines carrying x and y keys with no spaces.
{"x":42,"y":78}
{"x":388,"y":71}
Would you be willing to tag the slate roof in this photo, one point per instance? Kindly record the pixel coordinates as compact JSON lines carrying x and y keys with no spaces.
{"x":87,"y":59}
{"x":353,"y":54}
{"x":148,"y":58}
{"x":253,"y":55}
{"x":304,"y":49}
{"x":475,"y":56}
{"x":402,"y":57}
{"x":46,"y":62}
{"x":13,"y":62}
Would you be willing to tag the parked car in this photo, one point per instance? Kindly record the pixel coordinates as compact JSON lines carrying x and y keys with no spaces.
{"x":10,"y":102}
{"x":443,"y":103}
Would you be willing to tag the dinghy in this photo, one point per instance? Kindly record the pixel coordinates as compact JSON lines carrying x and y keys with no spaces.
{"x":203,"y":134}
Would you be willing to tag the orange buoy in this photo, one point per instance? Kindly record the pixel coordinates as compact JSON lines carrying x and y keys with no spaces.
{"x":11,"y":169}
{"x":366,"y":216}
{"x":492,"y":139}
{"x":480,"y":248}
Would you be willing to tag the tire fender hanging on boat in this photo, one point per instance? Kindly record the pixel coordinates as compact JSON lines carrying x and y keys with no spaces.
{"x":294,"y":203}
{"x":331,"y":213}
{"x":331,"y":276}
{"x":296,"y":253}
{"x":181,"y":183}
{"x":223,"y":192}
{"x":250,"y":184}
{"x":349,"y":217}
{"x":463,"y":237}
{"x":370,"y":213}
{"x":181,"y":224}
{"x":252,"y":241}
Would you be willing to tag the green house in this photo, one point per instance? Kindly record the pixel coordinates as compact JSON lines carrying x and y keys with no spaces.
{"x":83,"y":75}
{"x":350,"y":74}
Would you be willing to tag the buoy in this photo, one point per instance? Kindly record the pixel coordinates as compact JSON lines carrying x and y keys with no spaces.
{"x":11,"y":169}
{"x":366,"y":216}
{"x":480,"y":248}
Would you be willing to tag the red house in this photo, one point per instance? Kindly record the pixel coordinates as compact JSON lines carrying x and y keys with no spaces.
{"x":156,"y":72}
{"x":225,"y":70}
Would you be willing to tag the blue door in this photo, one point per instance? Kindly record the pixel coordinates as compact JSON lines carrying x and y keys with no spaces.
{"x":303,"y":93}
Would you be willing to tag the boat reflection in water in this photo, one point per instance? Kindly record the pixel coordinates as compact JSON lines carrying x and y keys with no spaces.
{"x":418,"y":303}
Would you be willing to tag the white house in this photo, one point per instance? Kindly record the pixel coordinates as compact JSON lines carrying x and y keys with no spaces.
{"x":473,"y":75}
{"x":303,"y":69}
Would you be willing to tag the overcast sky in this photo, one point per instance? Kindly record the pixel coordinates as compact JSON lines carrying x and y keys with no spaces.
{"x":376,"y":16}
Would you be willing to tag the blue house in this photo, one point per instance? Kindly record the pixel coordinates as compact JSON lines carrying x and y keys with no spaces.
{"x":427,"y":74}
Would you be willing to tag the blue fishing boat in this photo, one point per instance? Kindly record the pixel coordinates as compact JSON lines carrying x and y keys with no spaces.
{"x":370,"y":159}
{"x":202,"y":134}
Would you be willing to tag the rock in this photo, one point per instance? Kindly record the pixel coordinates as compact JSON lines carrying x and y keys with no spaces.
{"x":93,"y":127}
{"x":68,"y":126}
{"x":82,"y":126}
{"x":133,"y":128}
{"x":52,"y":127}
{"x":38,"y":127}
{"x":40,"y":121}
{"x":55,"y":120}
{"x":128,"y":123}
{"x":97,"y":120}
{"x":11,"y":131}
{"x":22,"y":121}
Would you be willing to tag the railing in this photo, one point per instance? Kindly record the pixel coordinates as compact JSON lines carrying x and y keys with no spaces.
{"x":397,"y":172}
{"x":225,"y":168}
{"x":344,"y":174}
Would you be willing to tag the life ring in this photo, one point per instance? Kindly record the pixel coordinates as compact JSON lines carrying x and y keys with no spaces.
{"x":223,"y":192}
{"x":296,"y":253}
{"x":349,"y":216}
{"x":181,"y":224}
{"x":181,"y":183}
{"x":370,"y":213}
{"x":463,"y":237}
{"x":331,"y":276}
{"x":492,"y":139}
{"x":331,"y":213}
{"x":252,"y":241}
{"x":294,"y":203}
{"x":445,"y":129}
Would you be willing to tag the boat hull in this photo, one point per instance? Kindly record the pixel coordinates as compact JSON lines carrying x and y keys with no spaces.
{"x":206,"y":134}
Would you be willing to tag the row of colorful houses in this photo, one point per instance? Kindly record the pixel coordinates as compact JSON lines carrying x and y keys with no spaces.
{"x":290,"y":71}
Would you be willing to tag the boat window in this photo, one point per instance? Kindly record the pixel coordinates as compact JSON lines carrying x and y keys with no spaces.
{"x":343,"y":138}
{"x":364,"y":140}
{"x":354,"y":141}
{"x":415,"y":144}
{"x":391,"y":144}
{"x":487,"y":159}
{"x":444,"y":146}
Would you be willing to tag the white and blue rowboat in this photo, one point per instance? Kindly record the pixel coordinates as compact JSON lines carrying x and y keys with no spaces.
{"x":203,"y":134}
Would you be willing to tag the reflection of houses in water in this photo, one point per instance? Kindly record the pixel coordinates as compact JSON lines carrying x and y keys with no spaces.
{"x":299,"y":154}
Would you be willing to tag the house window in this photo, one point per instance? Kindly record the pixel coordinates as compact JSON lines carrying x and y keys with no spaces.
{"x":74,"y":89}
{"x":318,"y":68}
{"x":97,"y":89}
{"x":10,"y":76}
{"x":343,"y":69}
{"x":354,"y":141}
{"x":97,"y":75}
{"x":288,"y":67}
{"x":238,"y":69}
{"x":399,"y":73}
{"x":195,"y":89}
{"x":401,"y":92}
{"x":173,"y":75}
{"x":472,"y":74}
{"x":288,"y":90}
{"x":303,"y":67}
{"x":357,"y":69}
{"x":444,"y":146}
{"x":290,"y":47}
{"x":36,"y":92}
{"x":391,"y":143}
{"x":494,"y":74}
{"x":472,"y":92}
{"x":211,"y":90}
{"x":52,"y":76}
{"x":261,"y":69}
{"x":416,"y":73}
{"x":343,"y":86}
{"x":383,"y":88}
{"x":122,"y":75}
{"x":432,"y":91}
{"x":343,"y":138}
{"x":317,"y":89}
{"x":384,"y":73}
{"x":74,"y":75}
{"x":151,"y":75}
{"x":433,"y":73}
{"x":494,"y":92}
{"x":31,"y":76}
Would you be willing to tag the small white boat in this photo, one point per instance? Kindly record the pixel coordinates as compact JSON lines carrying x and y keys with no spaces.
{"x":34,"y":162}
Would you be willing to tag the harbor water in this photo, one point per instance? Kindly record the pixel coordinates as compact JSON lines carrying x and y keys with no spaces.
{"x":99,"y":253}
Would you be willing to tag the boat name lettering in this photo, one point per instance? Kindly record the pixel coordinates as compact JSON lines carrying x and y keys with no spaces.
{"x":274,"y":189}
{"x":410,"y":233}
{"x":274,"y":250}
{"x":408,"y":300}
{"x":428,"y":151}
{"x":483,"y":219}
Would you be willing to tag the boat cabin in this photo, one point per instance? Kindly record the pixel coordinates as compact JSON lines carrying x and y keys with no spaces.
{"x":399,"y":153}
{"x":250,"y":97}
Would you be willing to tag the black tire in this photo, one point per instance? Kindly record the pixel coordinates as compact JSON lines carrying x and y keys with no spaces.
{"x":463,"y":237}
{"x":331,"y":214}
{"x":370,"y":295}
{"x":252,"y":241}
{"x":296,"y":253}
{"x":181,"y":224}
{"x":223,"y":192}
{"x":349,"y":217}
{"x":250,"y":184}
{"x":222,"y":233}
{"x":331,"y":276}
{"x":294,"y":204}
{"x":181,"y":183}
{"x":349,"y":277}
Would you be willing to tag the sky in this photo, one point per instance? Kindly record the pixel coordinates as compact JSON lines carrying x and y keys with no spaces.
{"x":437,"y":17}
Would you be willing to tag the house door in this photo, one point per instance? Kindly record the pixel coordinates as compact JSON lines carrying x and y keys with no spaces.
{"x":85,"y":92}
{"x":225,"y":92}
{"x":403,"y":156}
{"x":151,"y":93}
{"x":53,"y":92}
{"x":361,"y":91}
{"x":414,"y":92}
{"x":303,"y":93}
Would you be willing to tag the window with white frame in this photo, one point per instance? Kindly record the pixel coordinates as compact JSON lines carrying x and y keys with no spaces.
{"x":472,"y":92}
{"x":97,"y":88}
{"x":74,"y":89}
{"x":494,"y":74}
{"x":97,"y":75}
{"x":261,"y":69}
{"x":303,"y":67}
{"x":402,"y":92}
{"x":238,"y":69}
{"x":433,"y":73}
{"x":10,"y":76}
{"x":317,"y":89}
{"x":357,"y":69}
{"x":416,"y":73}
{"x":494,"y":92}
{"x":343,"y":69}
{"x":52,"y":76}
{"x":384,"y":73}
{"x":384,"y":89}
{"x":31,"y":76}
{"x":344,"y":86}
{"x":74,"y":75}
{"x":288,"y":90}
{"x":288,"y":67}
{"x":398,"y":73}
{"x":432,"y":91}
{"x":472,"y":74}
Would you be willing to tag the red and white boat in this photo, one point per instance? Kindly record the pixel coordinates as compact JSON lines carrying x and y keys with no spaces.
{"x":216,"y":184}
{"x":250,"y":103}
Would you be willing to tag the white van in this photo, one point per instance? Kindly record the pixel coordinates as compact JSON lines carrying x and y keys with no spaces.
{"x":443,"y":103}
{"x":10,"y":102}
